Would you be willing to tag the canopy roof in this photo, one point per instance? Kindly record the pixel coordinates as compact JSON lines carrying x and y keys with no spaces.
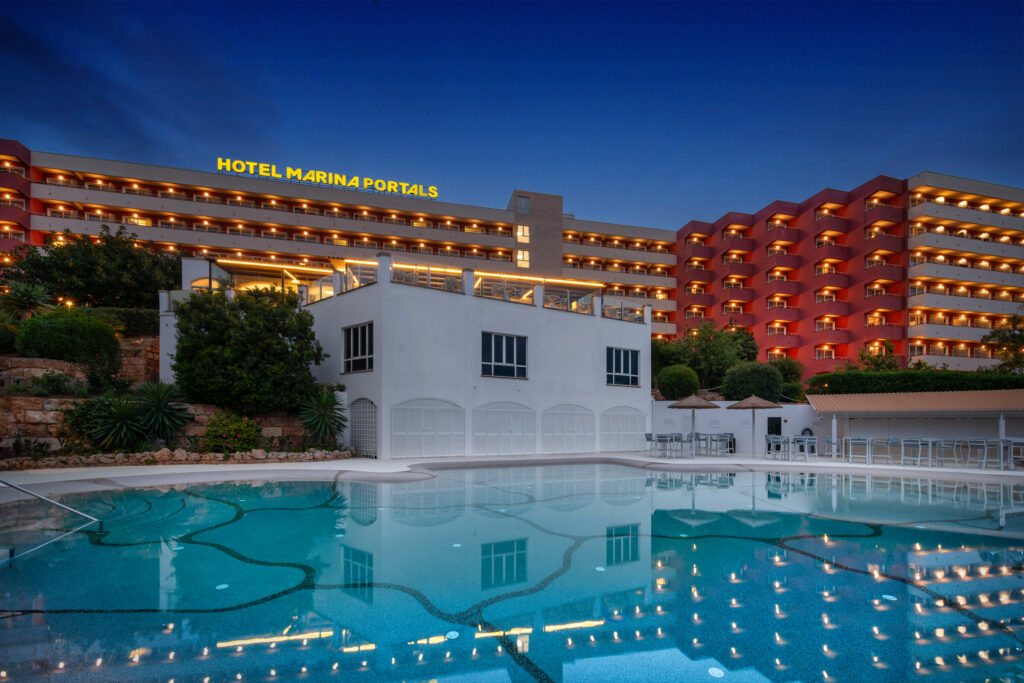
{"x":921,"y":402}
{"x":753,"y":402}
{"x":693,"y":402}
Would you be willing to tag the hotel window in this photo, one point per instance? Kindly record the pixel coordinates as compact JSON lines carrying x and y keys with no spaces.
{"x":358,"y":574}
{"x":622,"y":367}
{"x":522,"y":258}
{"x":503,"y":563}
{"x":503,"y":355}
{"x":824,"y":354}
{"x":358,"y":348}
{"x":523,"y":205}
{"x":523,"y":234}
{"x":622,"y":544}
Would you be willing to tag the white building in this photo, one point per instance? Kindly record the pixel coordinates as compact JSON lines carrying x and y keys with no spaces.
{"x":450,"y":362}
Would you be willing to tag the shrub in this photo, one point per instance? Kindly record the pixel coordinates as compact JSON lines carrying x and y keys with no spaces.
{"x":80,"y":422}
{"x":75,"y":337}
{"x":745,"y":379}
{"x":228,"y":433}
{"x":50,"y":383}
{"x":251,"y":355}
{"x":794,"y":391}
{"x":677,"y":381}
{"x":791,"y":369}
{"x":899,"y":381}
{"x":133,"y":322}
{"x":25,"y":299}
{"x":159,"y":410}
{"x":117,"y":425}
{"x":8,"y":336}
{"x":323,"y":415}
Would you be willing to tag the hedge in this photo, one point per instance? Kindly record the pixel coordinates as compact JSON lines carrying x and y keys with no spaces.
{"x":135,"y":322}
{"x":73,"y":336}
{"x":900,"y":381}
{"x":752,"y":379}
{"x":677,"y":381}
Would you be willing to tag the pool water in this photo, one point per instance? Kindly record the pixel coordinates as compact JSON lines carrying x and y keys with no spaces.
{"x":554,"y":573}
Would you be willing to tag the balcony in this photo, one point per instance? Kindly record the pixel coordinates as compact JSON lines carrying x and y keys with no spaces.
{"x":633,"y":301}
{"x":738,"y":294}
{"x":938,"y":240}
{"x":838,"y":252}
{"x":892,"y":332}
{"x":785,"y":341}
{"x":737,"y":242}
{"x":621,"y":277}
{"x":965,"y":215}
{"x":886,"y":302}
{"x":11,"y":182}
{"x":687,"y":300}
{"x":667,"y":329}
{"x":622,"y":253}
{"x":883,"y":213}
{"x":836,"y":308}
{"x":955,"y":362}
{"x":840,"y":280}
{"x":738,"y":269}
{"x":789,"y":315}
{"x":774,"y":234}
{"x":12,"y":214}
{"x":831,"y":222}
{"x":740,"y":319}
{"x":948,"y":332}
{"x":783,"y":261}
{"x":981,"y":276}
{"x":830,"y":337}
{"x":964,"y":304}
{"x":882,"y":242}
{"x":784,"y":287}
{"x":696,"y":251}
{"x":887,"y":272}
{"x":697,"y":275}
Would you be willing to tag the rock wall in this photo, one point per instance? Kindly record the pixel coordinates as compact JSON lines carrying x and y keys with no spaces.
{"x":167,"y":456}
{"x":140,"y":360}
{"x":16,"y":371}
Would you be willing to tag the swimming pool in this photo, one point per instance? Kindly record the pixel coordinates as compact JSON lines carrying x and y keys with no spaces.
{"x":552,"y":573}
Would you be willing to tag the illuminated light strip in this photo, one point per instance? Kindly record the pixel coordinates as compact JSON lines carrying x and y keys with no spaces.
{"x":522,"y":630}
{"x":277,"y":639}
{"x":574,"y":624}
{"x":281,"y":266}
{"x":360,"y":648}
{"x":439,"y":270}
{"x":540,"y":279}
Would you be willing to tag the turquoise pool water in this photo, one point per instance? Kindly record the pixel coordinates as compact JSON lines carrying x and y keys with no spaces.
{"x":572,"y":573}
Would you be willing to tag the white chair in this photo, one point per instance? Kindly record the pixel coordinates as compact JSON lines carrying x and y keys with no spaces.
{"x":911,"y":449}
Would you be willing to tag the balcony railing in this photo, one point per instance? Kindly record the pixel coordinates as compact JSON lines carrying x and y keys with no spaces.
{"x":569,"y":299}
{"x":823,"y":298}
{"x":772,"y":305}
{"x":626,"y":313}
{"x":504,"y":289}
{"x":424,"y":276}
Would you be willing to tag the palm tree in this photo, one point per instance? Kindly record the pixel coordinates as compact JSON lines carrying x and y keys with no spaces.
{"x":25,"y":299}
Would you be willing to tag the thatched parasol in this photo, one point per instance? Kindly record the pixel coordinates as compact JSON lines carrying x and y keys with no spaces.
{"x":694,"y":403}
{"x":753,"y":403}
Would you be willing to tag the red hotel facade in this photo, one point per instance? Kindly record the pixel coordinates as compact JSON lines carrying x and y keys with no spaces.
{"x":931,"y":263}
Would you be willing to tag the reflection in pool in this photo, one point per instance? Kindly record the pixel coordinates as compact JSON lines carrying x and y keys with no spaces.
{"x":572,"y":573}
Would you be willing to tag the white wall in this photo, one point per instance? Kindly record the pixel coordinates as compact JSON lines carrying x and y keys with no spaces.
{"x":795,"y":418}
{"x":427,"y":345}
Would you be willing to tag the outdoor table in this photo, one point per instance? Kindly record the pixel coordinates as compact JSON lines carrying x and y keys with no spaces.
{"x":852,"y":442}
{"x":930,"y":442}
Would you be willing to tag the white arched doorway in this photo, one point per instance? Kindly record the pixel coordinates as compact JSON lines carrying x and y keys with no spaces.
{"x":427,"y":427}
{"x":504,"y":428}
{"x":622,"y":429}
{"x":567,"y":428}
{"x":363,"y":427}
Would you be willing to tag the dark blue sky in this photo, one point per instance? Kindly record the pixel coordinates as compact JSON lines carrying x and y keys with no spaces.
{"x":652,"y":114}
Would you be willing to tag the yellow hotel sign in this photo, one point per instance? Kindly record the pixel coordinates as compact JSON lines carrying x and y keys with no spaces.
{"x":255,"y":168}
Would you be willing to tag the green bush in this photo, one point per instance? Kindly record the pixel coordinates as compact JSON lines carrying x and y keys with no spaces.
{"x":50,"y":383}
{"x":228,"y":433}
{"x":677,"y":381}
{"x":900,"y":381}
{"x":75,"y":337}
{"x":134,"y":322}
{"x":8,"y":336}
{"x":794,"y":391}
{"x":323,"y":415}
{"x":117,"y":426}
{"x":791,"y":369}
{"x":251,"y":355}
{"x":159,"y":410}
{"x":758,"y":379}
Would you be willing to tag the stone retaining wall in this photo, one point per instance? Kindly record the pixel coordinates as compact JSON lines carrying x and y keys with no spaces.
{"x":140,"y":360}
{"x":16,"y":371}
{"x":167,"y":456}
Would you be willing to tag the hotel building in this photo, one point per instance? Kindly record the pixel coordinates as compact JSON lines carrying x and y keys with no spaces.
{"x":930,"y":263}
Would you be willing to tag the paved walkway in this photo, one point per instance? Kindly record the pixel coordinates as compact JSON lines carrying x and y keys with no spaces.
{"x":72,"y":479}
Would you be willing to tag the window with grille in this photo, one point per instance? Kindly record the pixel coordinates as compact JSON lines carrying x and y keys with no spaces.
{"x":503,"y":563}
{"x":622,"y":367}
{"x":503,"y":355}
{"x":358,"y":574}
{"x":358,"y":348}
{"x":522,"y":233}
{"x":622,"y":544}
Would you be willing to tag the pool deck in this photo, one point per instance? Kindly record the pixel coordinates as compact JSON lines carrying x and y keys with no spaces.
{"x":81,"y":479}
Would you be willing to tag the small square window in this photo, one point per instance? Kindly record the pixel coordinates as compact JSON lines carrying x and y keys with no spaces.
{"x":622,"y":367}
{"x":622,"y":544}
{"x":358,"y":353}
{"x":523,"y":205}
{"x":523,"y":234}
{"x":522,"y":258}
{"x":503,"y":355}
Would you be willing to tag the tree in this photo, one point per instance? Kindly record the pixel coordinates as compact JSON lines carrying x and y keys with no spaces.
{"x":791,"y":369}
{"x":22,"y":300}
{"x":677,"y":381}
{"x":707,"y":350}
{"x":112,"y":271}
{"x":745,"y":379}
{"x":251,"y":355}
{"x":875,"y":362}
{"x":1009,"y":343}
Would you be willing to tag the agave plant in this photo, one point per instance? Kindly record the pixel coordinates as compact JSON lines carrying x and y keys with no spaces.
{"x":323,"y":415}
{"x":159,"y":410}
{"x":116,"y":425}
{"x":24,"y":299}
